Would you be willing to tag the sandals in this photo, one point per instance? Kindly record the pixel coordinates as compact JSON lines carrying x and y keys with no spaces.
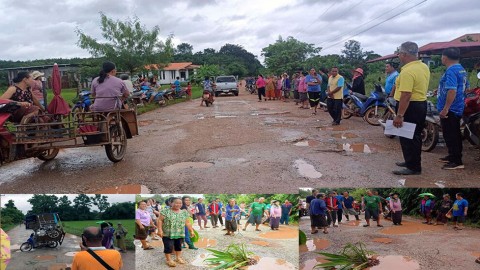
{"x":148,"y":248}
{"x":366,"y":225}
{"x":379,"y":225}
{"x":257,"y":230}
{"x":180,"y":261}
{"x":314,"y":232}
{"x":325,"y":232}
{"x":171,"y":263}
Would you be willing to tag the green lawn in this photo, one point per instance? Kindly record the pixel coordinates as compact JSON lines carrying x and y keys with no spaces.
{"x":7,"y":227}
{"x":76,"y":228}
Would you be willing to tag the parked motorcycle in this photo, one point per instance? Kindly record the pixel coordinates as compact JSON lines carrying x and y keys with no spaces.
{"x":83,"y":103}
{"x":371,"y":108}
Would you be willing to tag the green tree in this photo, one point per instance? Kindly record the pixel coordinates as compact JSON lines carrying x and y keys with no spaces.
{"x":65,"y":208}
{"x":129,"y":44}
{"x":82,"y":204}
{"x":184,"y":48}
{"x":125,"y":210}
{"x":288,"y":55}
{"x":42,"y":203}
{"x":101,"y":202}
{"x":10,"y":214}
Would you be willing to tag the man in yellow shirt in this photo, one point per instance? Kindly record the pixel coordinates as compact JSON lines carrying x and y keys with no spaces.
{"x":92,"y":240}
{"x":411,"y":94}
{"x":335,"y":95}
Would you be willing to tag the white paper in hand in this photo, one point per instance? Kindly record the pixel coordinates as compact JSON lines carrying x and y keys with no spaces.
{"x":405,"y":131}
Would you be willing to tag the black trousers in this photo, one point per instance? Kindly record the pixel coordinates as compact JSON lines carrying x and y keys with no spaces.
{"x":332,"y":217}
{"x":412,"y":148}
{"x":339,"y":215}
{"x":453,"y":137}
{"x":334,"y":107}
{"x":214,"y":220}
{"x":220,"y":219}
{"x":261,"y":92}
{"x":171,"y":244}
{"x":397,"y":217}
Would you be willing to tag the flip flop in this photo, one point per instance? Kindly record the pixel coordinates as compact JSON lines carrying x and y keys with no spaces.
{"x":314,"y":232}
{"x":379,"y":225}
{"x":325,"y":232}
{"x":366,"y":225}
{"x":148,"y":248}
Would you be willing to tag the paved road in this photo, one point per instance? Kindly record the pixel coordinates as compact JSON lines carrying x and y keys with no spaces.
{"x":432,"y":247}
{"x":58,"y":258}
{"x":234,"y":145}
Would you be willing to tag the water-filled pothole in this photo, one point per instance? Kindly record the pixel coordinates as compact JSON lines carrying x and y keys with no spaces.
{"x":282,"y":233}
{"x":315,"y":244}
{"x":310,"y":143}
{"x":271,"y":263}
{"x":206,"y":243}
{"x":383,"y":240}
{"x":124,"y":189}
{"x":345,"y":136}
{"x":410,"y":228}
{"x":394,"y":262}
{"x":187,"y":165}
{"x":359,"y":148}
{"x":306,"y":170}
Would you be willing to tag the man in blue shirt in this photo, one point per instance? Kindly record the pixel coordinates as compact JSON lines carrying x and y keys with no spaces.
{"x":177,"y":85}
{"x":232,"y":211}
{"x":459,"y":211}
{"x":318,"y":209}
{"x":220,"y":206}
{"x":286,"y":211}
{"x":392,"y":74}
{"x":347,"y":205}
{"x":450,"y":104}
{"x":340,"y":208}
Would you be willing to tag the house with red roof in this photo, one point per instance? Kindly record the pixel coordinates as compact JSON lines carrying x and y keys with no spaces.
{"x":169,"y":73}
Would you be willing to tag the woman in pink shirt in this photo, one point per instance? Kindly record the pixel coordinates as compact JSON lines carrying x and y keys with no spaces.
{"x":37,"y":88}
{"x":302,"y":91}
{"x":278,"y":89}
{"x":275,"y":214}
{"x":396,"y":208}
{"x":261,"y":88}
{"x":143,"y":224}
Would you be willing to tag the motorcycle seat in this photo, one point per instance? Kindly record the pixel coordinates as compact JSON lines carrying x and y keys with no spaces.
{"x":360,"y":96}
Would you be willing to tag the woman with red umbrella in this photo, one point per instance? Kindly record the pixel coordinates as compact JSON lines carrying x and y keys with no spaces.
{"x":108,"y":89}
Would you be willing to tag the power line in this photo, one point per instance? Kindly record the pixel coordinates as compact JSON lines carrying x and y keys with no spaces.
{"x":360,"y":26}
{"x":388,"y":19}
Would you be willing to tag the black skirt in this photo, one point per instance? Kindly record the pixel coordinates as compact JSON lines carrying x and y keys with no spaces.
{"x":318,"y":221}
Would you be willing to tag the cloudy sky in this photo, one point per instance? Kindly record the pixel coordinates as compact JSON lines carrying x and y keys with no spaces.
{"x":38,"y":29}
{"x":21,"y":200}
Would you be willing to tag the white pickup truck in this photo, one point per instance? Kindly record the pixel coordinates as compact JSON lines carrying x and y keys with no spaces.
{"x":226,"y":85}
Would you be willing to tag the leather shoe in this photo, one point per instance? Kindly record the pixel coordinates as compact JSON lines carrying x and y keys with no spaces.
{"x":406,"y":172}
{"x":401,"y":164}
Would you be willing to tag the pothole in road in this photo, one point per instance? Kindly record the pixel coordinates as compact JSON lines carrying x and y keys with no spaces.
{"x":206,"y":243}
{"x":144,"y":123}
{"x":306,"y":143}
{"x":199,"y":260}
{"x":59,"y":266}
{"x":260,"y":243}
{"x":394,"y":262}
{"x":310,"y":264}
{"x":124,"y":189}
{"x":71,"y":254}
{"x":281,"y":233}
{"x":345,"y":136}
{"x":410,"y":228}
{"x":225,"y":116}
{"x":271,"y":263}
{"x":315,"y":244}
{"x":476,"y":254}
{"x":306,"y":170}
{"x":45,"y":257}
{"x":353,"y":223}
{"x":359,"y":148}
{"x":269,"y":113}
{"x":383,"y":240}
{"x":187,"y":165}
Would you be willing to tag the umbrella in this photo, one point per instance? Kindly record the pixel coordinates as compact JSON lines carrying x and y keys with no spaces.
{"x":427,"y":194}
{"x":100,"y":222}
{"x":58,"y":105}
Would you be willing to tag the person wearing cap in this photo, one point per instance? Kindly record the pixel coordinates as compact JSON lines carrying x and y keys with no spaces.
{"x":411,"y":97}
{"x":37,"y":87}
{"x":396,"y":209}
{"x":358,"y":84}
{"x":445,"y":206}
{"x":120,"y":234}
{"x":108,"y":89}
{"x":450,"y":105}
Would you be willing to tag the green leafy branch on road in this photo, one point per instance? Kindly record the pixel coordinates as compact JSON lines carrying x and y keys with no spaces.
{"x":233,"y":257}
{"x":352,"y":257}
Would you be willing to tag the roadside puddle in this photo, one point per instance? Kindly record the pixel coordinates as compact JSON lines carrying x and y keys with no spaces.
{"x":383,"y":240}
{"x":225,"y":116}
{"x":282,"y":233}
{"x":310,"y":143}
{"x":144,"y":123}
{"x":260,"y":243}
{"x":345,"y":136}
{"x":409,"y":227}
{"x":315,"y":244}
{"x":476,"y":254}
{"x":71,"y":253}
{"x":306,"y":170}
{"x":271,"y":263}
{"x":205,"y":243}
{"x":59,"y":266}
{"x":310,"y":264}
{"x":187,"y":165}
{"x":359,"y":148}
{"x":352,"y":223}
{"x":392,"y":262}
{"x":45,"y":257}
{"x":124,"y":189}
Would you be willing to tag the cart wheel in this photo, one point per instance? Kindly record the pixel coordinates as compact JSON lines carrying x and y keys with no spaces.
{"x":26,"y":246}
{"x":52,"y":244}
{"x":53,"y":233}
{"x":48,"y":154}
{"x":115,"y":153}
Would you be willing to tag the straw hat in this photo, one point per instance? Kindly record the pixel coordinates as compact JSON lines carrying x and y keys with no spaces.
{"x":37,"y":74}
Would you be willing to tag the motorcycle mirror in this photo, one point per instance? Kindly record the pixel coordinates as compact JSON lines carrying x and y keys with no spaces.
{"x":478,"y":75}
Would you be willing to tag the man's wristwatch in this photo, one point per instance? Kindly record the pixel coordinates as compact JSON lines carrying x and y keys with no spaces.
{"x":400,"y":115}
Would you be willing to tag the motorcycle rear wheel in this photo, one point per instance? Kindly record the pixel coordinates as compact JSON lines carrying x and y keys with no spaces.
{"x":52,"y":244}
{"x":26,"y":247}
{"x":345,"y":112}
{"x":372,"y":118}
{"x":430,"y":135}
